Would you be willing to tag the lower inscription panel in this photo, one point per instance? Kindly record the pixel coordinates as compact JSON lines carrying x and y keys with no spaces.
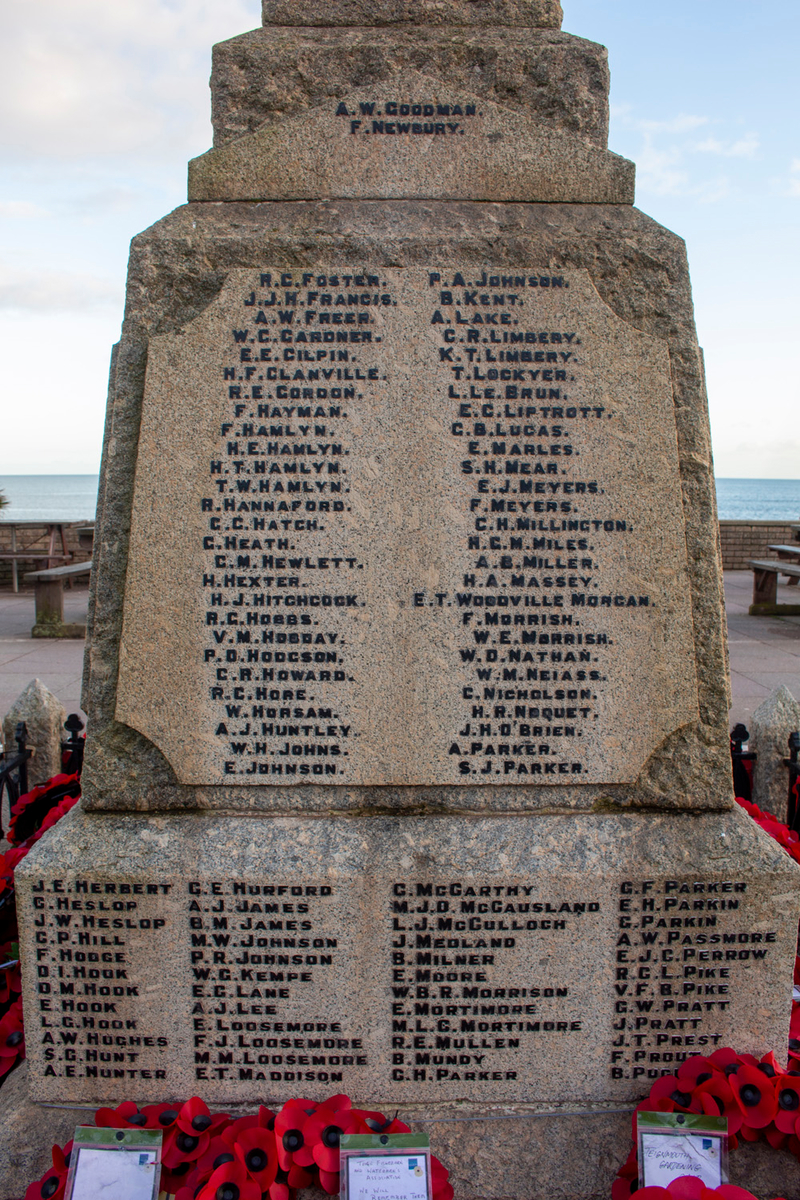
{"x":398,"y":963}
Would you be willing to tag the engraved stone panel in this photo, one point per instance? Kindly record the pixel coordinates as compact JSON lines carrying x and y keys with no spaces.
{"x":563,"y":959}
{"x":412,"y":136}
{"x":412,"y":527}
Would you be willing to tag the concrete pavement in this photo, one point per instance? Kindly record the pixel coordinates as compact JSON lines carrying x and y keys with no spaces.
{"x":764,"y":651}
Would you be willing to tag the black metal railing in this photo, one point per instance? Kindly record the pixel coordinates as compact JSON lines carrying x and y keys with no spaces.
{"x":14,"y":770}
{"x":742,"y":762}
{"x":72,"y":747}
{"x":793,"y":802}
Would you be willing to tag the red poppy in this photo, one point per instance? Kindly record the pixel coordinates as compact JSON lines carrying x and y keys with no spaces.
{"x":117,"y":1118}
{"x":775,"y":1138}
{"x":50,"y":1187}
{"x":686,"y":1187}
{"x":195,"y":1117}
{"x":749,"y":1134}
{"x":728,"y":1191}
{"x":717,"y":1099}
{"x":755,"y":1095}
{"x":329,"y":1182}
{"x":322,"y":1132}
{"x":289,"y":1134}
{"x":691,"y":1072}
{"x":787,"y":1091}
{"x":724,"y":1057}
{"x":299,"y":1177}
{"x":230,"y":1182}
{"x":218,"y":1152}
{"x":12,"y":1038}
{"x":161,"y":1116}
{"x":441,"y":1188}
{"x":621,"y":1188}
{"x":258,"y":1154}
{"x":181,"y":1147}
{"x":653,"y":1193}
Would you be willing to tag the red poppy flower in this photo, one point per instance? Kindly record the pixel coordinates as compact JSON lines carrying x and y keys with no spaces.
{"x":440,"y":1187}
{"x":653,"y":1193}
{"x":686,"y":1187}
{"x":724,"y":1057}
{"x":621,"y":1188}
{"x":194,"y":1117}
{"x":749,"y":1134}
{"x":299,"y":1177}
{"x":117,"y":1118}
{"x":218,"y":1152}
{"x":161,"y":1116}
{"x":728,"y":1191}
{"x":775,"y":1138}
{"x":230,"y":1182}
{"x":257,"y":1152}
{"x":322,"y":1132}
{"x":691,"y":1072}
{"x":329,"y":1181}
{"x":787,"y":1091}
{"x":289,"y":1134}
{"x":181,"y":1147}
{"x":279,"y":1190}
{"x":717,"y":1099}
{"x":12,"y":1038}
{"x":755,"y":1095}
{"x":50,"y":1187}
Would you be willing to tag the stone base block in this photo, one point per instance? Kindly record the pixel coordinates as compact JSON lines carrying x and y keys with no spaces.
{"x":58,"y":629}
{"x":493,"y":1154}
{"x":555,"y":960}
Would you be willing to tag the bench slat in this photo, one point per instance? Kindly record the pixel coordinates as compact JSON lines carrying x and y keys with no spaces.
{"x":54,"y":573}
{"x":776,"y":565}
{"x":795,"y":549}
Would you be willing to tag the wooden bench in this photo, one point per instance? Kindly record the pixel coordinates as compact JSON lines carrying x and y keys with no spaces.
{"x":54,"y":533}
{"x":765,"y":587}
{"x":49,"y":596}
{"x":788,"y":554}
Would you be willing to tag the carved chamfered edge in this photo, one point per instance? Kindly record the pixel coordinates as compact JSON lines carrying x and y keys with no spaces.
{"x":541,"y":14}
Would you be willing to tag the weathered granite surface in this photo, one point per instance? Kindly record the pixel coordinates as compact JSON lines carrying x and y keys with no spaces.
{"x":770,"y":726}
{"x":488,"y":960}
{"x":560,"y":82}
{"x":541,"y":13}
{"x":639,"y":270}
{"x":415,"y":139}
{"x":44,"y":716}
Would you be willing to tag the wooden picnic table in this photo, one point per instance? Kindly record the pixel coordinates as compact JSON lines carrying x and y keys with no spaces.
{"x":788,"y":553}
{"x":765,"y":587}
{"x":55,"y":535}
{"x":49,"y":598}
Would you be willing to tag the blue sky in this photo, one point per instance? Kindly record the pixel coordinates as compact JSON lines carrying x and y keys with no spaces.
{"x":101,"y":105}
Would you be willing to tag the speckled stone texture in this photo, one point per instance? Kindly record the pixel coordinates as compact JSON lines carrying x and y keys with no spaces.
{"x":639,"y":270}
{"x":44,"y":716}
{"x":545,"y":14}
{"x":559,"y":82}
{"x":770,"y":726}
{"x":562,"y":960}
{"x":411,"y":139}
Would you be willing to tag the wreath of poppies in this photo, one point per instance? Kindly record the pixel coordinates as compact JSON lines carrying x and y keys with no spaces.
{"x":758,"y":1098}
{"x":268,"y":1156}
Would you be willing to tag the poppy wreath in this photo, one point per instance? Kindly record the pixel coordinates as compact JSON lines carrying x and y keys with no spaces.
{"x":36,"y":811}
{"x":689,"y":1187}
{"x":267,"y":1156}
{"x":758,"y":1097}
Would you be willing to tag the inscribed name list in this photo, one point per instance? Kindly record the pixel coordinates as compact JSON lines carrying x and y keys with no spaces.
{"x":407,"y":527}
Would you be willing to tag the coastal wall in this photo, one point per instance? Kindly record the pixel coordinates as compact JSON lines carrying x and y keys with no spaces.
{"x":743,"y":540}
{"x":34,"y":539}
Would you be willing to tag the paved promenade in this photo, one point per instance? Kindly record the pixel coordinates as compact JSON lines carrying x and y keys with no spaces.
{"x":764,"y":651}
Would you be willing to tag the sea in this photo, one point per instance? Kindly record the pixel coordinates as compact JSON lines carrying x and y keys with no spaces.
{"x":74,"y":498}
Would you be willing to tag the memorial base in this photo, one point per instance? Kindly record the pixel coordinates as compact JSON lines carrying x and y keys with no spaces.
{"x":492,"y":1155}
{"x":556,"y":960}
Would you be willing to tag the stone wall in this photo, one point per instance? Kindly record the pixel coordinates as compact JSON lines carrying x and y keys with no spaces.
{"x":34,"y":538}
{"x":743,"y":540}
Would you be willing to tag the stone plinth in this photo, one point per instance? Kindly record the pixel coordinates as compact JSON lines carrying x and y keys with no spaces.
{"x":565,"y":960}
{"x":544,"y":14}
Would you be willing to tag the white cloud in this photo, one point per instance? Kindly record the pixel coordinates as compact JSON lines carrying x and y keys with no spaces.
{"x":681,"y":124}
{"x":21,"y":210}
{"x":745,"y":147}
{"x":92,"y":78}
{"x":48,"y":291}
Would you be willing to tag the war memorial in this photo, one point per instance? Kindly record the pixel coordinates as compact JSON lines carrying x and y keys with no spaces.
{"x":408,"y":771}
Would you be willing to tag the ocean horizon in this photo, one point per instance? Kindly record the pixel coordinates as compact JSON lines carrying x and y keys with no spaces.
{"x":74,"y":498}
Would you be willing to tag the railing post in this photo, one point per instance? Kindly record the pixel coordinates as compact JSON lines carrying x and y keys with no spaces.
{"x":742,"y":763}
{"x":793,"y":763}
{"x":21,"y":738}
{"x":72,"y":747}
